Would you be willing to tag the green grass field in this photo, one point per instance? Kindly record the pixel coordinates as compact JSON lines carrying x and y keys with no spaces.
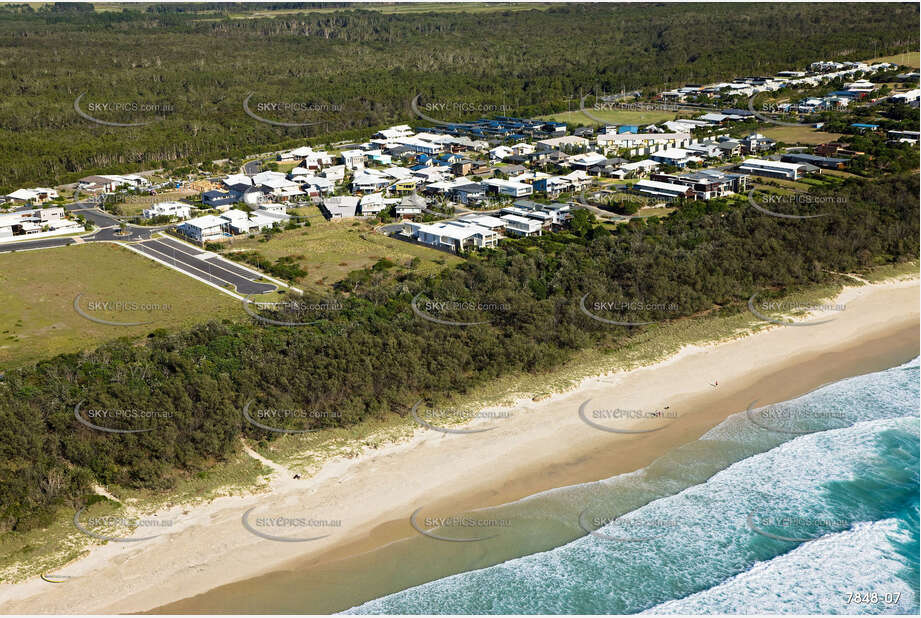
{"x":329,"y":250}
{"x":617,"y":116}
{"x":799,"y":135}
{"x":911,"y":59}
{"x":38,"y":288}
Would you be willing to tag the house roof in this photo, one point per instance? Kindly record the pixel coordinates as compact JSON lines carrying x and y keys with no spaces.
{"x":205,"y":222}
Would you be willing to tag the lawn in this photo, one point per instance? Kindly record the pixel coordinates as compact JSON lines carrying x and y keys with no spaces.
{"x":910,"y":59}
{"x":617,"y":116}
{"x":38,"y":288}
{"x":799,"y":135}
{"x":329,"y":250}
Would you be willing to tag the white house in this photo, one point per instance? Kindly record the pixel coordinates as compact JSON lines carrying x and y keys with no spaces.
{"x":509,"y":188}
{"x":336,"y":173}
{"x":353,"y":159}
{"x":640,"y":168}
{"x":454,"y":235}
{"x":578,"y":179}
{"x":372,"y":204}
{"x":410,"y":205}
{"x":237,"y":221}
{"x":282,"y":188}
{"x":522,"y":148}
{"x":676,"y":157}
{"x":500,"y":153}
{"x":396,"y":132}
{"x":168,"y":209}
{"x":263,"y":177}
{"x":318,"y":183}
{"x":237,"y":179}
{"x":653,"y":188}
{"x":340,"y":207}
{"x":522,"y":226}
{"x":369,"y":181}
{"x":38,"y":195}
{"x":704,"y":149}
{"x":204,"y":229}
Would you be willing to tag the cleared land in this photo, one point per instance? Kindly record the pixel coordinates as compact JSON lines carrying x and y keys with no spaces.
{"x":911,"y":59}
{"x":329,"y":250}
{"x":799,"y":135}
{"x":38,"y":288}
{"x":135,"y":204}
{"x":619,"y":116}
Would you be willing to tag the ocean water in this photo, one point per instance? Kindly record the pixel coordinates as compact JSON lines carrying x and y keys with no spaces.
{"x":809,"y":506}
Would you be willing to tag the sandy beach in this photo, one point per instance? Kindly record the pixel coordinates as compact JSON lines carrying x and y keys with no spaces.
{"x":535,"y":446}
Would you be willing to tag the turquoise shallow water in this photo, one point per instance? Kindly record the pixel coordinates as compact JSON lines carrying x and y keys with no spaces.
{"x":810,"y":506}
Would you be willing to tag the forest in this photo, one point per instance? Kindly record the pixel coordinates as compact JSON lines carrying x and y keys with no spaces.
{"x":181,"y":73}
{"x":374,"y":355}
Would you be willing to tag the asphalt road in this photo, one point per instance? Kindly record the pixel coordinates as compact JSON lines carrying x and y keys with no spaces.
{"x":45,"y":243}
{"x":214,"y":271}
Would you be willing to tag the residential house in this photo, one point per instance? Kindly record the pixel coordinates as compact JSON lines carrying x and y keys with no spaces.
{"x":215,"y":199}
{"x":517,"y":225}
{"x":500,"y":153}
{"x":37,"y":195}
{"x":772,"y":169}
{"x":489,"y":222}
{"x":405,"y":185}
{"x":707,"y":184}
{"x":456,"y":236}
{"x":282,"y":189}
{"x":708,"y":149}
{"x":675,"y":157}
{"x":756,"y":143}
{"x":335,"y":173}
{"x":237,"y":221}
{"x":730,"y":148}
{"x":411,"y":205}
{"x":663,"y":190}
{"x":463,"y":167}
{"x":168,"y":209}
{"x":586,"y":160}
{"x":640,"y":169}
{"x":469,"y":193}
{"x":370,"y":181}
{"x":353,"y":159}
{"x":372,"y":204}
{"x":204,"y":229}
{"x":508,"y":188}
{"x":340,"y":207}
{"x":551,"y":185}
{"x":828,"y":163}
{"x":837,"y":149}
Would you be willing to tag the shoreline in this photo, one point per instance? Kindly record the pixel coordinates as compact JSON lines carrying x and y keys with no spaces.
{"x":374,"y":494}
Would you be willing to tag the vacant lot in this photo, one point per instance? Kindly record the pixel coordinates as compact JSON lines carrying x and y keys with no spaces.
{"x":618,"y":116}
{"x":910,"y":59}
{"x":38,"y":288}
{"x":135,"y":204}
{"x":799,"y":135}
{"x":329,"y":250}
